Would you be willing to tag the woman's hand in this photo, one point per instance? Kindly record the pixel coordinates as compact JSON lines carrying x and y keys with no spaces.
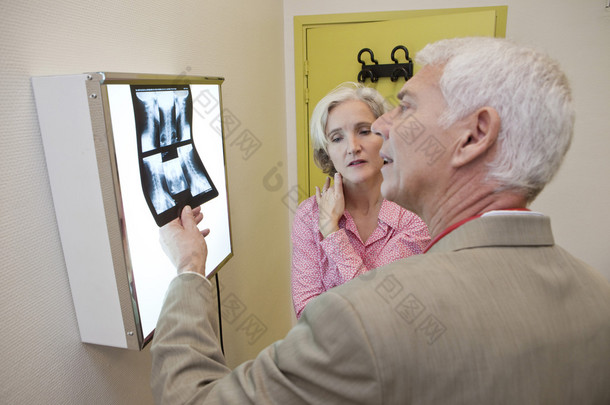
{"x":331,"y":205}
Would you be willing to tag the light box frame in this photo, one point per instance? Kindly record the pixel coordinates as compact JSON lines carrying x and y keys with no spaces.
{"x":76,"y":128}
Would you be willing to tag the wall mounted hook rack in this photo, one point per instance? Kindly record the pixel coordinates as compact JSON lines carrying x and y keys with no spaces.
{"x":394,"y":70}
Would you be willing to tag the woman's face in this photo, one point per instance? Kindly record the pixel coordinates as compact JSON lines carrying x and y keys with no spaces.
{"x":352,"y":147}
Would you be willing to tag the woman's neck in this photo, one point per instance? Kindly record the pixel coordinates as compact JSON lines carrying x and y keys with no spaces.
{"x":361,"y":198}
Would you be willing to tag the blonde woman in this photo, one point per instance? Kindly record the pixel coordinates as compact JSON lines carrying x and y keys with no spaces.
{"x":348,"y":228}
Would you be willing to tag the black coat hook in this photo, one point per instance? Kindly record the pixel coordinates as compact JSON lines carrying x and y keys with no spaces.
{"x":364,"y":73}
{"x":403,"y":48}
{"x":363,"y":50}
{"x":399,"y":72}
{"x":367,"y":72}
{"x":393,"y":71}
{"x":403,"y":69}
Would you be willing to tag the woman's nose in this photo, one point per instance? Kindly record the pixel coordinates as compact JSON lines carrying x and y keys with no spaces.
{"x":353,"y":144}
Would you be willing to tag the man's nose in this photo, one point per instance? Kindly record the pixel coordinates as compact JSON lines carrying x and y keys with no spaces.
{"x":382,"y":126}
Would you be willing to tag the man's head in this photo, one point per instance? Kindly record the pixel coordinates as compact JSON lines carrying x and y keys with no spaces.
{"x":482,"y":103}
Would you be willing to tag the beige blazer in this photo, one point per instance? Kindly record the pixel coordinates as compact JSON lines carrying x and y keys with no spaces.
{"x":494,"y":313}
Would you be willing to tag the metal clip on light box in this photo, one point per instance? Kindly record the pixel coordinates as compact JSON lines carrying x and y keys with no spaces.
{"x":392,"y":70}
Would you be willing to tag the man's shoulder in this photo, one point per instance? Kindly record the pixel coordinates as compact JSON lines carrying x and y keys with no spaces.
{"x":454,"y":277}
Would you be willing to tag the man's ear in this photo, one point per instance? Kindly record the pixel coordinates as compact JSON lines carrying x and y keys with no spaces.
{"x":478,"y":136}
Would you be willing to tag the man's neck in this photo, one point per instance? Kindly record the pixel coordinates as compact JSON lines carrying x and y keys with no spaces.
{"x":470,"y":203}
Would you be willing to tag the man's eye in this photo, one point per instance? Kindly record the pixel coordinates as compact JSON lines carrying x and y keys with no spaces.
{"x":365,"y":131}
{"x":398,"y":110}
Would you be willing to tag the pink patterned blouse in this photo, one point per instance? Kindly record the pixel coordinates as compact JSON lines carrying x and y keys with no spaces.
{"x":320,"y":264}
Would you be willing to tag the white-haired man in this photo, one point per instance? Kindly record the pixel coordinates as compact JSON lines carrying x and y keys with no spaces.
{"x":493,"y":312}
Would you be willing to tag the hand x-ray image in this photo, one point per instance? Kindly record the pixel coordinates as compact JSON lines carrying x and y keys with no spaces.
{"x":171,"y":171}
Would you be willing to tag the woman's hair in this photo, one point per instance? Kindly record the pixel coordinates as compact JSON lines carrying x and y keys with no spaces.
{"x":528,"y":90}
{"x":344,"y":92}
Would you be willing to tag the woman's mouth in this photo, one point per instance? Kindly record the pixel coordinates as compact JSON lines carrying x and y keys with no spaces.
{"x":356,"y":162}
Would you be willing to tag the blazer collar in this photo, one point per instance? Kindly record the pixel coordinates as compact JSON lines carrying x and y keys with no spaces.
{"x":498,"y":230}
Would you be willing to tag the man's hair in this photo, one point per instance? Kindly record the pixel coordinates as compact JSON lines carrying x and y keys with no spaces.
{"x":528,"y":90}
{"x":344,"y":92}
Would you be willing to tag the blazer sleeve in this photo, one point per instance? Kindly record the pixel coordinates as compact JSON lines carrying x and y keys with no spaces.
{"x":325,"y":359}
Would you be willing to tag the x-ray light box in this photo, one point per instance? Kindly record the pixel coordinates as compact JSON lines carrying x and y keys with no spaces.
{"x":125,"y":153}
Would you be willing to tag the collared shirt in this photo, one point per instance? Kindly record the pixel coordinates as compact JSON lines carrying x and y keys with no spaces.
{"x":319,"y":264}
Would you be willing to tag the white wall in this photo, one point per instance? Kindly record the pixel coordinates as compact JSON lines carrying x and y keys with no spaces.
{"x":43,"y":360}
{"x":575,"y":32}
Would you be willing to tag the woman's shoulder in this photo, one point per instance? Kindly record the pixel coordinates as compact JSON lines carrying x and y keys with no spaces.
{"x":394,"y":209}
{"x":401,"y":216}
{"x":306,"y":217}
{"x":307,"y":208}
{"x":308,"y":204}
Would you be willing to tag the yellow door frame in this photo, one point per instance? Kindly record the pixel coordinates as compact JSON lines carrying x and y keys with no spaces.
{"x":302,"y":23}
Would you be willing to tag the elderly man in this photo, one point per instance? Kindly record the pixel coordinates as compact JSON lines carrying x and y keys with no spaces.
{"x":493,"y":312}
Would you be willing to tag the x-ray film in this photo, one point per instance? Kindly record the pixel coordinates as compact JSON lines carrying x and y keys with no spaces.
{"x":171,"y":171}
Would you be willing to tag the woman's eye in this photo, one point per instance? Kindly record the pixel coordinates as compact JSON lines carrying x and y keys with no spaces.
{"x":365,"y":131}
